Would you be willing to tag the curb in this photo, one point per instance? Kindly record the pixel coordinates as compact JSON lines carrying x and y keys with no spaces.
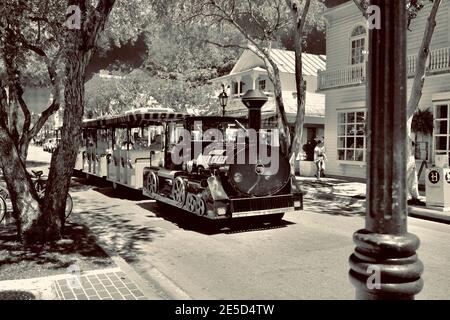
{"x":166,"y":286}
{"x":135,"y":277}
{"x":169,"y":287}
{"x":428,"y":214}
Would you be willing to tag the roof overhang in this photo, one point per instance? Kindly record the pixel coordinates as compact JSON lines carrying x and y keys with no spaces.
{"x":241,"y":73}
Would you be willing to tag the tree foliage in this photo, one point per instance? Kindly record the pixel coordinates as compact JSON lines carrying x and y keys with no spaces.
{"x":422,"y":122}
{"x":138,"y":89}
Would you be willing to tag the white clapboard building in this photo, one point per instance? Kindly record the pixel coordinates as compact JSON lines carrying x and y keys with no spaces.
{"x":344,"y":85}
{"x":249,"y":73}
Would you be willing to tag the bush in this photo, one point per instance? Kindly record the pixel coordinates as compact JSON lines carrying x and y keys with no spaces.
{"x":309,"y":149}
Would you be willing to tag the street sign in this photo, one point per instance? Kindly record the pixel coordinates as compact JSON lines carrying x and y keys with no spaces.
{"x":437,"y":188}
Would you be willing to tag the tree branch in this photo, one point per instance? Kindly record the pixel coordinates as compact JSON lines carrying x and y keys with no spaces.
{"x":96,"y":23}
{"x":362,"y":6}
{"x":424,"y":50}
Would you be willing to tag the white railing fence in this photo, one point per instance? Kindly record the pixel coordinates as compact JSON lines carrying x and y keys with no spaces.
{"x":438,"y":61}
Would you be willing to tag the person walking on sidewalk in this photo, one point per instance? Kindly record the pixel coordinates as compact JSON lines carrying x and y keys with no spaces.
{"x":319,"y":159}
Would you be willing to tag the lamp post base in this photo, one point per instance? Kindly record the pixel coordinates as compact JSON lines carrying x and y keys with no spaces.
{"x":385,"y":266}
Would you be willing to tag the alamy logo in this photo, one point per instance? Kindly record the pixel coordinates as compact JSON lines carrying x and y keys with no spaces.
{"x":373,"y":17}
{"x":73,"y":21}
{"x":74,"y":281}
{"x":374,"y":280}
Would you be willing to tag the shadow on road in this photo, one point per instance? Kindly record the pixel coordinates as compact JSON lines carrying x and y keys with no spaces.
{"x":191,"y":222}
{"x":105,"y":187}
{"x":111,"y":224}
{"x":333,"y":208}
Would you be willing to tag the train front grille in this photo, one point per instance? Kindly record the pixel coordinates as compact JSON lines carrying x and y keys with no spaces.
{"x":261,"y":203}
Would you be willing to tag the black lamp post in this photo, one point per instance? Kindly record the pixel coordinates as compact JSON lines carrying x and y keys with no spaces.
{"x":223,"y":99}
{"x":385,"y":264}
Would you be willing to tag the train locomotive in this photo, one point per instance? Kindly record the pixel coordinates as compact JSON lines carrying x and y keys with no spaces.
{"x":222,"y":167}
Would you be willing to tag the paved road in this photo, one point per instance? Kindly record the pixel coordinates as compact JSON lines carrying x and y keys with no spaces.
{"x":303,"y":258}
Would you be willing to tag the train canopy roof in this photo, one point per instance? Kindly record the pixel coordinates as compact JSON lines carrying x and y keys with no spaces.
{"x":148,"y":116}
{"x":135,"y":118}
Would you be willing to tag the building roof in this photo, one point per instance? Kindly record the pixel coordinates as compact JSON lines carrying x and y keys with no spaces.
{"x":314,"y":108}
{"x":285,"y":61}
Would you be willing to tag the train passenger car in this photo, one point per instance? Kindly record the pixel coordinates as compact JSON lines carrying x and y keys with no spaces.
{"x":118,"y":148}
{"x":200,"y":173}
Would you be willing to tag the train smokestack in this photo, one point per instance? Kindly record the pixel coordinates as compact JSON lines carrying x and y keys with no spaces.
{"x":254,"y":100}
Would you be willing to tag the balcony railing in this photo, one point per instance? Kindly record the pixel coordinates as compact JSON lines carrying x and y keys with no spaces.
{"x":350,"y":75}
{"x":438,"y":61}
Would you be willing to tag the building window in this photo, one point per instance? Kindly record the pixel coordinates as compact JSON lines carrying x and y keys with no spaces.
{"x":441,"y":129}
{"x":238,"y":87}
{"x":351,"y":137}
{"x":357,"y":45}
{"x":262,"y":85}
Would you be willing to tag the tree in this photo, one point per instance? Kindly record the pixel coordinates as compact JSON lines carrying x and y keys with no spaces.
{"x":267,"y":17}
{"x":416,"y":94}
{"x":261,"y":24}
{"x":23,"y":31}
{"x":138,"y":88}
{"x":41,"y":28}
{"x":302,"y":12}
{"x":413,"y":7}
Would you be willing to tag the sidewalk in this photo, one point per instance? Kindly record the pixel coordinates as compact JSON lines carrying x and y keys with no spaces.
{"x":353,"y":193}
{"x":105,"y":284}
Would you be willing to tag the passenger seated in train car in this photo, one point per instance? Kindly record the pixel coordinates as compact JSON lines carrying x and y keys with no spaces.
{"x":90,"y":141}
{"x":102,"y":143}
{"x":157,"y":144}
{"x":157,"y":148}
{"x":138,"y":144}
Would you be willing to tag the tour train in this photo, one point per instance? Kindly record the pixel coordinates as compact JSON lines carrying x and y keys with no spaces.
{"x":136,"y":150}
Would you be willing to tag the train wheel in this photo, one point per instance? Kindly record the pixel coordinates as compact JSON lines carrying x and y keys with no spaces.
{"x":153,"y":183}
{"x":191,"y":202}
{"x":179,"y":191}
{"x":201,"y":207}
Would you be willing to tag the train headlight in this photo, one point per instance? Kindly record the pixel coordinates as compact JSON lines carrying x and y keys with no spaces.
{"x":238,"y":177}
{"x":221,"y":211}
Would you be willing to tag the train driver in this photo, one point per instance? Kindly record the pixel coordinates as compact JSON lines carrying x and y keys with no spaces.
{"x":157,"y":144}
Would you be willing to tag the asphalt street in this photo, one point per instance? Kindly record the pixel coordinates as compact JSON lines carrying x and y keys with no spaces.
{"x":304,"y":257}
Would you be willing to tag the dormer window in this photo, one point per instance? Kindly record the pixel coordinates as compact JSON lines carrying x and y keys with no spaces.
{"x":358,"y":45}
{"x":262,"y":85}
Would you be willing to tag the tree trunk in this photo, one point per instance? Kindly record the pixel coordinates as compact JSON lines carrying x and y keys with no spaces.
{"x":299,"y":19}
{"x":300,"y":118}
{"x":274,"y":75}
{"x":64,"y":157}
{"x":416,"y":95}
{"x":283,"y":125}
{"x":26,"y":207}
